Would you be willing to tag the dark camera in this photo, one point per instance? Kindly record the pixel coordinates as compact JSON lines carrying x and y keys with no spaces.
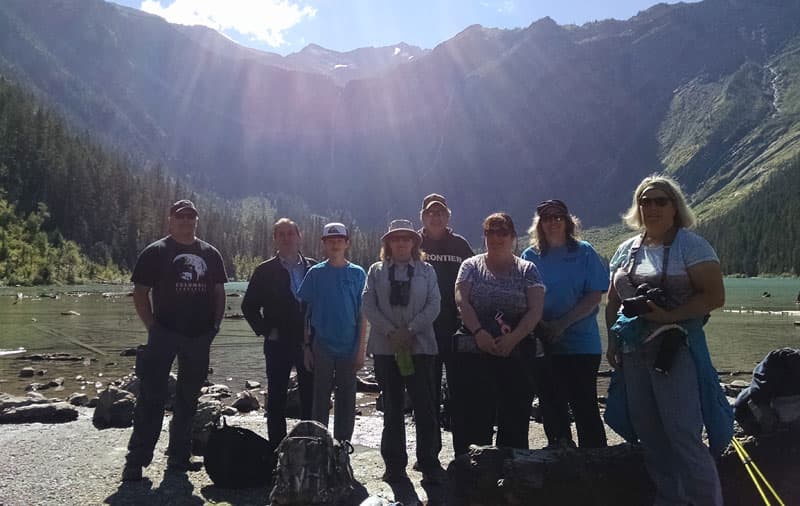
{"x":637,"y":305}
{"x":400,"y":293}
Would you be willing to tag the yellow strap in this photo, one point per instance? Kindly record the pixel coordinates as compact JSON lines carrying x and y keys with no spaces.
{"x":748,"y":463}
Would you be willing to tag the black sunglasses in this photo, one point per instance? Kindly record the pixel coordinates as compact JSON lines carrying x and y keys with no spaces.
{"x":658,"y":201}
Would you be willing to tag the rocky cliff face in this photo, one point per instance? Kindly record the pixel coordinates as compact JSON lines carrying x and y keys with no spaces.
{"x":494,"y":118}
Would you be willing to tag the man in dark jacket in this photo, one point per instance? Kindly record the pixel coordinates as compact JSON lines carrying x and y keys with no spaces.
{"x":273,"y":311}
{"x":445,"y":251}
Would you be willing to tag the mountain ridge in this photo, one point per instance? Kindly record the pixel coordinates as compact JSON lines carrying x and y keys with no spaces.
{"x":488,"y":117}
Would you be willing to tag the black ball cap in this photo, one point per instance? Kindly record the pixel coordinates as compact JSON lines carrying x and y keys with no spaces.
{"x":183,"y":205}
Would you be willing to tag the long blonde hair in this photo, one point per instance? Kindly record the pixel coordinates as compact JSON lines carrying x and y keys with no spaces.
{"x":684,"y":217}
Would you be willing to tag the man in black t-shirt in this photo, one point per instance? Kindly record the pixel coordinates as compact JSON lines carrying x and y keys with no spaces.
{"x":186,"y":278}
{"x":445,"y":251}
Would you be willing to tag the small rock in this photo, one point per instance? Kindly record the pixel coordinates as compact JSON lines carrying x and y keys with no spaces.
{"x":222,"y":390}
{"x":36,"y":396}
{"x":26,"y":372}
{"x":57,"y":382}
{"x":229,"y":411}
{"x":34,"y":387}
{"x":114,"y":408}
{"x":41,"y":372}
{"x":70,"y":313}
{"x":363,"y":385}
{"x":79,"y":378}
{"x":129,"y":352}
{"x":740,"y":384}
{"x":250,"y":385}
{"x":78,"y":399}
{"x":210,"y":370}
{"x":246,"y":402}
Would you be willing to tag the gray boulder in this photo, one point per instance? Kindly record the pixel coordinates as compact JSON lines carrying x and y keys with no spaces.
{"x":132,"y":384}
{"x":250,"y":385}
{"x":50,"y":412}
{"x":12,"y":401}
{"x":114,"y":408}
{"x":207,"y":417}
{"x":26,"y":372}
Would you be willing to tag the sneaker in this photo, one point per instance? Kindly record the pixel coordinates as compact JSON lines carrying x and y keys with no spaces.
{"x":132,"y":472}
{"x":395,"y":476}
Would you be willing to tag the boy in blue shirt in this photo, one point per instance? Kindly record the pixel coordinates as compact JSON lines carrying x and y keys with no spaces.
{"x":332,"y":289}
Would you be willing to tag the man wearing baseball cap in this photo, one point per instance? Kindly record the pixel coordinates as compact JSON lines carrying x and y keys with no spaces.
{"x":185,"y":277}
{"x":332,"y":291}
{"x":445,"y":251}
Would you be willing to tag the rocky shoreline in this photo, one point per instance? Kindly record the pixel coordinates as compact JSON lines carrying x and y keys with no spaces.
{"x":70,"y":450}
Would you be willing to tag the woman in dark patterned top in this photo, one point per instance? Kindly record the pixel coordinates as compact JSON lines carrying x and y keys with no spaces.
{"x":500,"y":297}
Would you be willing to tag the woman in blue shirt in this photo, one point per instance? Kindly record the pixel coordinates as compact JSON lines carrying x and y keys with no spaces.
{"x":575,"y":277}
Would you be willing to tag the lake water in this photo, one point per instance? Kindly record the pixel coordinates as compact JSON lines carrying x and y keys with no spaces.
{"x":108,"y":324}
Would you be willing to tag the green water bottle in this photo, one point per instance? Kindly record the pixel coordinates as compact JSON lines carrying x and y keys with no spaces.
{"x":405,"y":362}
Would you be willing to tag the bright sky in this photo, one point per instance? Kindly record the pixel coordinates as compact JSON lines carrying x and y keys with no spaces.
{"x":286,"y":26}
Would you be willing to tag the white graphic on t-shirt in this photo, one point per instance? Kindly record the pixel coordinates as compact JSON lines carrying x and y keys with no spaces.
{"x":190,"y":274}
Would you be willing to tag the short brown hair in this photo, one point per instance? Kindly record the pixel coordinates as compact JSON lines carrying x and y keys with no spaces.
{"x":285,"y":221}
{"x":497,"y":221}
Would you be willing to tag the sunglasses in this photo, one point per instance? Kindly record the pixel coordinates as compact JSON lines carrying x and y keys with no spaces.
{"x":658,"y":201}
{"x":435,"y":212}
{"x":498,"y":232}
{"x":184,"y":216}
{"x":547,"y":218}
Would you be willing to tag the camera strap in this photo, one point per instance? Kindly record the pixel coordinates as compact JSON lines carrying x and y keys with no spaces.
{"x":632,"y":258}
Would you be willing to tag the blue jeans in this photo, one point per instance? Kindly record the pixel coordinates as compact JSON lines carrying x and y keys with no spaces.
{"x":153,"y":365}
{"x":666,"y":414}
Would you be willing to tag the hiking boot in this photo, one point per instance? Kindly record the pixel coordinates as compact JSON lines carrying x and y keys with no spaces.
{"x":177,"y":465}
{"x":132,"y":472}
{"x":395,"y":475}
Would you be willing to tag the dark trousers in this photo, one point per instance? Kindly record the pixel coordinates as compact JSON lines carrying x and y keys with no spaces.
{"x":570,"y":381}
{"x":421,"y":388}
{"x":280,"y":357}
{"x":485,"y":389}
{"x":153,"y":365}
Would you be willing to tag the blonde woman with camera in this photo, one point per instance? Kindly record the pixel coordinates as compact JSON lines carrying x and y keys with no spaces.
{"x":664,"y":282}
{"x":401,"y":300}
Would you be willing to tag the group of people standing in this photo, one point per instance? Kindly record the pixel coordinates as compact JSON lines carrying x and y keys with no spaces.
{"x":505,"y":327}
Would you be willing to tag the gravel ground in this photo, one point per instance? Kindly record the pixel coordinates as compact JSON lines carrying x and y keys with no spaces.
{"x":76,"y":464}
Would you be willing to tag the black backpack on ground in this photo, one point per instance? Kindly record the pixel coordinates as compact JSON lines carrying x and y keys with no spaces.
{"x":313,"y":468}
{"x":236,"y":457}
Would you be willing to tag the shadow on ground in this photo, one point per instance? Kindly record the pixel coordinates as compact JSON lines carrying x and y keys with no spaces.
{"x":175,"y":488}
